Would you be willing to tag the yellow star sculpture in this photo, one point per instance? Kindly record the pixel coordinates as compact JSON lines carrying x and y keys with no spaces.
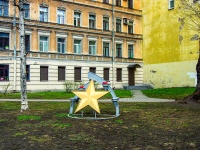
{"x":89,"y":97}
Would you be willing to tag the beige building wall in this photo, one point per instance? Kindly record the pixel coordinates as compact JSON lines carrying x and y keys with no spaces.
{"x":52,"y":30}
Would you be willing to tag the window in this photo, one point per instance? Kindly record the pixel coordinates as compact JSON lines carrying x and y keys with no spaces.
{"x":130,"y":51}
{"x":118,"y":2}
{"x":92,"y":47}
{"x":130,"y":4}
{"x":118,"y":50}
{"x":92,"y":20}
{"x":61,"y":16}
{"x":26,"y":11}
{"x":4,"y":40}
{"x":4,"y":72}
{"x":61,"y":73}
{"x":43,"y":14}
{"x":77,"y":19}
{"x":93,"y":69}
{"x":106,"y":74}
{"x":44,"y":44}
{"x":105,"y":49}
{"x":130,"y":27}
{"x":27,"y":72}
{"x":77,"y":74}
{"x":3,"y":8}
{"x":119,"y":74}
{"x":105,"y":23}
{"x":27,"y":42}
{"x":61,"y":45}
{"x":77,"y":46}
{"x":171,"y":4}
{"x":43,"y":73}
{"x":118,"y":25}
{"x":106,"y":1}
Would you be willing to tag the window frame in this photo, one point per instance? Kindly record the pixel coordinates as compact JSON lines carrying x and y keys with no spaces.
{"x":93,"y":69}
{"x":107,"y":50}
{"x":130,"y":4}
{"x":118,"y":25}
{"x":131,"y":51}
{"x":92,"y":21}
{"x":61,"y":73}
{"x":27,"y":42}
{"x":119,"y":75}
{"x":170,"y":4}
{"x":118,"y":3}
{"x":26,"y":10}
{"x":4,"y":69}
{"x":118,"y":50}
{"x":106,"y":75}
{"x":63,"y":44}
{"x":5,"y":40}
{"x":77,"y":74}
{"x":27,"y":72}
{"x":75,"y":51}
{"x":44,"y":13}
{"x":77,"y":19}
{"x":61,"y":18}
{"x":92,"y":52}
{"x":4,"y":7}
{"x":43,"y":76}
{"x":105,"y":23}
{"x":45,"y":36}
{"x":130,"y":27}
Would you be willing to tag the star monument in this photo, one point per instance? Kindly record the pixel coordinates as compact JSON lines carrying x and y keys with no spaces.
{"x":89,"y":97}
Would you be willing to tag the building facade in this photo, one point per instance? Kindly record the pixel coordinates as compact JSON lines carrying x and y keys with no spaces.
{"x":66,"y":39}
{"x":169,"y":52}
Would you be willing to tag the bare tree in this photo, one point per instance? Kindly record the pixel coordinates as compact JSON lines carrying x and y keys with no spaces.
{"x":190,"y":19}
{"x":24,"y":102}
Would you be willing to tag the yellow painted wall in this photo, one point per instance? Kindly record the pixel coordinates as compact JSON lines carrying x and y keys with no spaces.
{"x":163,"y":51}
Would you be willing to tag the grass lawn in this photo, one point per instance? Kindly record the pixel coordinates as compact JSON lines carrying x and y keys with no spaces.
{"x":140,"y":126}
{"x":61,"y":95}
{"x":177,"y":93}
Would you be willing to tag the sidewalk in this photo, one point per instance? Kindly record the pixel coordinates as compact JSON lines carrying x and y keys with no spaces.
{"x":137,"y":97}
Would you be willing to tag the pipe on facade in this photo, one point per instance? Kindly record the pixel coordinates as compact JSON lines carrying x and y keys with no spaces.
{"x":113,"y":44}
{"x":15,"y":61}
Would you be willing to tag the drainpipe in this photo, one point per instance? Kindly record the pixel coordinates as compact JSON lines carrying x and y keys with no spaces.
{"x":15,"y":63}
{"x":113,"y":45}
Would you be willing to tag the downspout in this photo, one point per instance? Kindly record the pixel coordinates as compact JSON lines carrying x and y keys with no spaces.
{"x":15,"y":63}
{"x":113,"y":44}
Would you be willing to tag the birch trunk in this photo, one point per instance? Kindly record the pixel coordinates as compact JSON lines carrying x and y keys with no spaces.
{"x":24,"y":102}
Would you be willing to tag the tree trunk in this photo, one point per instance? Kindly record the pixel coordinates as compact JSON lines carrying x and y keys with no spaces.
{"x":24,"y":102}
{"x":196,"y":95}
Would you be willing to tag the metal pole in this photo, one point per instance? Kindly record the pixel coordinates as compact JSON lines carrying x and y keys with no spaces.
{"x":14,"y":29}
{"x":113,"y":45}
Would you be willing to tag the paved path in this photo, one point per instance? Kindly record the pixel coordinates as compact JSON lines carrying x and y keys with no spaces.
{"x":137,"y":97}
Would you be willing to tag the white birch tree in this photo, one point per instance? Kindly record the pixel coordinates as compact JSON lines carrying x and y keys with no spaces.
{"x":24,"y":102}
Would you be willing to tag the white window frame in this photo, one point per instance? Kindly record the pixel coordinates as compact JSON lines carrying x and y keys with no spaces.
{"x":63,"y":36}
{"x":58,"y":18}
{"x":106,"y":41}
{"x":44,"y":34}
{"x":94,"y":47}
{"x":47,"y":12}
{"x":76,"y":25}
{"x":94,"y":19}
{"x":131,"y":43}
{"x":108,"y":23}
{"x":132,"y":27}
{"x":169,"y":4}
{"x":9,"y":32}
